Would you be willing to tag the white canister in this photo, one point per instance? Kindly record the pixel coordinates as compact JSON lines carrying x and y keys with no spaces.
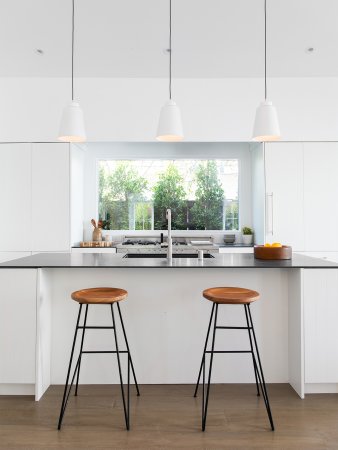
{"x":200,"y":254}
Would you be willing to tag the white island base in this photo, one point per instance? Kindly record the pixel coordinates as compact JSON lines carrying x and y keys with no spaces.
{"x":166,"y":320}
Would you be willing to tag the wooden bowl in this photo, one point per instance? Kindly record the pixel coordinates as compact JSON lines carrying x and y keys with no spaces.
{"x":261,"y":252}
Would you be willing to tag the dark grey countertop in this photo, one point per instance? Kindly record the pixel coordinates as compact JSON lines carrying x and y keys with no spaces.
{"x":99,"y":260}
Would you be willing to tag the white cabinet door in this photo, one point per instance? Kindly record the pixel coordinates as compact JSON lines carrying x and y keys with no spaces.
{"x":15,"y":197}
{"x":50,"y":197}
{"x":284,"y":194}
{"x":17,"y":325}
{"x":321,"y":196}
{"x":320,"y":325}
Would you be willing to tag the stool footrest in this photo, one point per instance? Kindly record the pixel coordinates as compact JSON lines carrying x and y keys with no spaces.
{"x":228,"y":351}
{"x":104,"y":351}
{"x":233,"y":328}
{"x":95,"y":328}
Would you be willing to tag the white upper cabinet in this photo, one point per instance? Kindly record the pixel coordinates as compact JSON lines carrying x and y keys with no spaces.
{"x":34,"y":197}
{"x":284,"y":215}
{"x":321,"y":196}
{"x":50,"y":197}
{"x":15,"y":197}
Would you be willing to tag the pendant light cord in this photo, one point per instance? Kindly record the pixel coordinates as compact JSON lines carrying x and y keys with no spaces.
{"x":73,"y":51}
{"x":170,"y":49}
{"x":265,"y":84}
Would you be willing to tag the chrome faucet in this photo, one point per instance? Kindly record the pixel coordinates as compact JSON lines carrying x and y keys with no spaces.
{"x":170,"y":242}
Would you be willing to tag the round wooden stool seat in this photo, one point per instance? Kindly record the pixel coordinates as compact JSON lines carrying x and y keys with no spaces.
{"x":231,"y":295}
{"x":99,"y":295}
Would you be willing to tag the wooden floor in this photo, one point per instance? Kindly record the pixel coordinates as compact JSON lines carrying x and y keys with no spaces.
{"x":168,"y":417}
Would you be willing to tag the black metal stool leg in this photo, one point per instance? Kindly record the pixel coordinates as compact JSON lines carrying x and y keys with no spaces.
{"x":205,"y":411}
{"x":252,"y":352}
{"x":260,"y":371}
{"x":65,"y":393}
{"x":257,"y":373}
{"x":81,"y":347}
{"x":127,"y":345}
{"x":258,"y":376}
{"x":126,"y":410}
{"x":205,"y":347}
{"x":203,"y":388}
{"x":128,"y":389}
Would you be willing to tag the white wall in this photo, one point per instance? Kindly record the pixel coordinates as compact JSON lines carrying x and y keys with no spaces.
{"x":258,"y":192}
{"x":77,"y":193}
{"x":128,"y":109}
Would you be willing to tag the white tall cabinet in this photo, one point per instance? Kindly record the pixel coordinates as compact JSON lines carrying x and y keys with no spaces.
{"x":35,"y":216}
{"x":302,"y":211}
{"x":320,"y":286}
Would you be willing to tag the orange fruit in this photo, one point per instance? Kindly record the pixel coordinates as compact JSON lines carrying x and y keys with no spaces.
{"x":267,"y":244}
{"x":276,"y":244}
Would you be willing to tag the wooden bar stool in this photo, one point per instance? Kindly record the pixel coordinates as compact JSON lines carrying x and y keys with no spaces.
{"x":232,"y":296}
{"x":104,"y":296}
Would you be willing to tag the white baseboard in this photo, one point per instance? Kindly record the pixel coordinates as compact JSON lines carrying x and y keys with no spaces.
{"x":17,"y":389}
{"x":321,"y":388}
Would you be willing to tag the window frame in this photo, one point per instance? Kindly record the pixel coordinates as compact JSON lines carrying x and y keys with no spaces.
{"x":149,"y":150}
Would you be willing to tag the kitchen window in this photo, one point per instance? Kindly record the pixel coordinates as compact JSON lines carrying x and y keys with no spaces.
{"x":202,"y":194}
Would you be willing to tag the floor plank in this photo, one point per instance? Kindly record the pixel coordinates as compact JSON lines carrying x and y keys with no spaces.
{"x":168,"y":417}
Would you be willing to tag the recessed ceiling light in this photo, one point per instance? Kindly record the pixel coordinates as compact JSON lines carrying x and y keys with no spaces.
{"x":39,"y":51}
{"x":310,"y":50}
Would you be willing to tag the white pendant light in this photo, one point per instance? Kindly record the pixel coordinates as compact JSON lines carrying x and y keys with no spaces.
{"x":170,"y":124}
{"x":72,"y":127}
{"x":266,"y":126}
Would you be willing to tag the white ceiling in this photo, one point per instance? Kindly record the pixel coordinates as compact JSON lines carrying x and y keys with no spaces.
{"x":128,"y":38}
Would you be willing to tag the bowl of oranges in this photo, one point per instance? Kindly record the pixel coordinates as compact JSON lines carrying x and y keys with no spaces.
{"x":273,"y":251}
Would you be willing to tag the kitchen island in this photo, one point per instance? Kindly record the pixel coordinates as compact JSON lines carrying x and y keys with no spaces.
{"x":165,"y":316}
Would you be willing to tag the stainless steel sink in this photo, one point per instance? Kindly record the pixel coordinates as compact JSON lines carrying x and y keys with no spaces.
{"x":163,"y":255}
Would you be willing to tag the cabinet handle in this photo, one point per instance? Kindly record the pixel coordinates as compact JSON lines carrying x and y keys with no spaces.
{"x":269,"y":213}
